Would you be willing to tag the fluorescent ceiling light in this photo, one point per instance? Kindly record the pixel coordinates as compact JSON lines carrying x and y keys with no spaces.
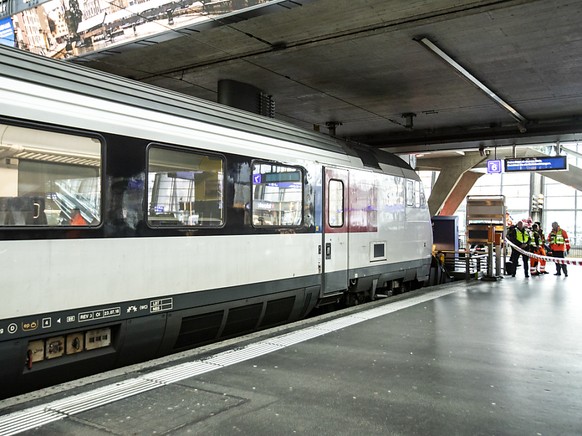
{"x":427,"y":43}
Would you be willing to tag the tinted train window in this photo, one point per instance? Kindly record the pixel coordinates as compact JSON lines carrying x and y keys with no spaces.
{"x":335,"y":204}
{"x":415,"y":194}
{"x":48,"y":178}
{"x":410,"y":198}
{"x":277,"y":195}
{"x":184,"y":189}
{"x":419,"y":199}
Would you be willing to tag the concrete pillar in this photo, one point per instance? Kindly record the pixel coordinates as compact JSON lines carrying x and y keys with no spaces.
{"x":451,"y":171}
{"x":459,"y":192}
{"x":572,"y":177}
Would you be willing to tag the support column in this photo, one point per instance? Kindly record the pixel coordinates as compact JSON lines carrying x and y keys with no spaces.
{"x":459,"y":192}
{"x":451,"y":171}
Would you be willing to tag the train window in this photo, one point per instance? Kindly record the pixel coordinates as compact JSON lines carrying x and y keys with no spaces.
{"x":184,"y":189}
{"x":410,"y":193}
{"x":48,"y":178}
{"x":335,"y":203}
{"x":418,"y":194}
{"x":277,"y":195}
{"x":415,"y":194}
{"x":423,"y":200}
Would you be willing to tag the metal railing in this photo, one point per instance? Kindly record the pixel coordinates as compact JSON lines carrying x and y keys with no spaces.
{"x":467,"y":264}
{"x":575,"y":252}
{"x":458,"y":265}
{"x":470,"y":264}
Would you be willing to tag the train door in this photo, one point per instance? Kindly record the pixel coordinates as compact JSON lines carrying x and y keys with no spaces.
{"x":335,"y":234}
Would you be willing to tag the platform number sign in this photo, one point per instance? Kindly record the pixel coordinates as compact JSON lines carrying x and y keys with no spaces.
{"x":494,"y":166}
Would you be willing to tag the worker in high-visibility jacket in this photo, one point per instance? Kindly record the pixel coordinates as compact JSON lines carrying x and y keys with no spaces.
{"x":519,"y":235}
{"x":537,"y":244}
{"x":559,"y":246}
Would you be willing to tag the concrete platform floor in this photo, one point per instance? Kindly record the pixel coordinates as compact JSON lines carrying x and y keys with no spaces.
{"x":467,"y":358}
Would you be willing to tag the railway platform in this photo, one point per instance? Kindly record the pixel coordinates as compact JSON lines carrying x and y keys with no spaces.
{"x":479,"y":358}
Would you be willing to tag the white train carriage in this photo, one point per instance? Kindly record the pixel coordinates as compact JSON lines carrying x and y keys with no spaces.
{"x":136,"y":222}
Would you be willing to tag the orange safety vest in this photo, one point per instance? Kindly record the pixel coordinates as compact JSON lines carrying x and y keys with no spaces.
{"x":78,"y":220}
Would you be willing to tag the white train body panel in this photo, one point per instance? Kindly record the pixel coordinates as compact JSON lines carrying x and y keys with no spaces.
{"x":137,"y":268}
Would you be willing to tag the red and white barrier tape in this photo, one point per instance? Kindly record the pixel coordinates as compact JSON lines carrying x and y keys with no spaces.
{"x":574,"y":261}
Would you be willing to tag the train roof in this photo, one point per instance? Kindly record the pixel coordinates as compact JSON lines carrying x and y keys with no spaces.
{"x":57,"y":74}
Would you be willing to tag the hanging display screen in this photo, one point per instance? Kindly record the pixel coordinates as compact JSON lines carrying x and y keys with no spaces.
{"x":548,"y":163}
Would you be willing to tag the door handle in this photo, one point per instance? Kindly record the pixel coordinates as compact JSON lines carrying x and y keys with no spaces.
{"x":328,"y":250}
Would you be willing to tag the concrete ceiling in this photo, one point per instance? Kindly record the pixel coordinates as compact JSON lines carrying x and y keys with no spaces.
{"x":358,"y":62}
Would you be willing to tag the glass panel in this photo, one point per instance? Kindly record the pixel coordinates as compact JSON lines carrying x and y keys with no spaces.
{"x":428,"y":180}
{"x":277,"y":195}
{"x":184,"y":189}
{"x":559,"y":203}
{"x":418,"y":194}
{"x":518,"y":204}
{"x":48,"y":178}
{"x":410,"y":193}
{"x":515,"y":179}
{"x":565,"y":219}
{"x":559,"y":189}
{"x":335,"y":204}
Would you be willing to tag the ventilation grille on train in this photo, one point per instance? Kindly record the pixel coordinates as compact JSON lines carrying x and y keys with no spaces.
{"x":205,"y":328}
{"x":278,"y":311}
{"x":199,"y":329}
{"x":242,"y":319}
{"x":305,"y":305}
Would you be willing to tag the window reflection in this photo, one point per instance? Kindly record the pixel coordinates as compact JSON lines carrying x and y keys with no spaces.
{"x":277,"y":195}
{"x":49,"y":178}
{"x":184,"y":189}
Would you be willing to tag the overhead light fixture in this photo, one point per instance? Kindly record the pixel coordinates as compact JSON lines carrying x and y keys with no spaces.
{"x":408,"y":119}
{"x":427,"y":43}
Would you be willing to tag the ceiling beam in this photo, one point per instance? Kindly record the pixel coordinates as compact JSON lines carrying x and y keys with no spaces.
{"x":567,"y":129}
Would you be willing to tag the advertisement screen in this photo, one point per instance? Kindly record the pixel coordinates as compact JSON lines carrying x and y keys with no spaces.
{"x":73,"y":28}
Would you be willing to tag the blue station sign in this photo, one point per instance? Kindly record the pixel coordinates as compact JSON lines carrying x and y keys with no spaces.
{"x":548,"y":163}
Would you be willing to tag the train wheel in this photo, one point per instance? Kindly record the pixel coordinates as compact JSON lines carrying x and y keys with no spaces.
{"x":352,"y":299}
{"x":398,"y":288}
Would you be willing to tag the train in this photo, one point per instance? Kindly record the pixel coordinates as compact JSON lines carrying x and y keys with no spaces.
{"x":136,"y":222}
